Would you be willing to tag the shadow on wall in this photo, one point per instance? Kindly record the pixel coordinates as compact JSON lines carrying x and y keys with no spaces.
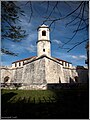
{"x":74,"y":80}
{"x":71,"y":80}
{"x":82,"y":74}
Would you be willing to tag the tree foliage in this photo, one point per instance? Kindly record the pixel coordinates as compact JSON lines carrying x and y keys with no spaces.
{"x":10,"y":29}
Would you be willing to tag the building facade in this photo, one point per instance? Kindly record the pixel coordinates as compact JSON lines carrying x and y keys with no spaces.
{"x":38,"y":71}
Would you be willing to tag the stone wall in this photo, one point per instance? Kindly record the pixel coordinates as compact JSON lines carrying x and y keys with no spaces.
{"x":34,"y":72}
{"x":41,"y":71}
{"x":17,"y":75}
{"x":67,"y":74}
{"x":82,"y":74}
{"x":4,"y":72}
{"x":70,"y":74}
{"x":54,"y":71}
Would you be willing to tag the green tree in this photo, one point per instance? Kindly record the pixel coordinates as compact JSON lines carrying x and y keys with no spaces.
{"x":10,"y":30}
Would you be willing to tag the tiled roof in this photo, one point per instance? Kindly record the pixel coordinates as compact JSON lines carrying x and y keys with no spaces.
{"x":61,"y":60}
{"x":24,"y":59}
{"x":35,"y":58}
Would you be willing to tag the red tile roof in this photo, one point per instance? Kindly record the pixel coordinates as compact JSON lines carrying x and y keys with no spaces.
{"x":24,"y":59}
{"x":61,"y":60}
{"x":35,"y":57}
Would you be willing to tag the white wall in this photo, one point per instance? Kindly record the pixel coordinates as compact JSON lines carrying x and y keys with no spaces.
{"x":43,"y":45}
{"x":17,"y":64}
{"x":40,"y":37}
{"x":54,"y":71}
{"x":43,"y":42}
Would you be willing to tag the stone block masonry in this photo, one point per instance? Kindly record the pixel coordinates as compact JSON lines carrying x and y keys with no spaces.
{"x":38,"y":72}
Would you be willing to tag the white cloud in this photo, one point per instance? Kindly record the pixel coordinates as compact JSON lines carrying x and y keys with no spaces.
{"x":79,"y":57}
{"x":83,"y":56}
{"x":31,"y":37}
{"x":29,"y":43}
{"x":16,"y":47}
{"x":22,"y":47}
{"x":57,"y":41}
{"x":1,"y":54}
{"x":74,"y":57}
{"x":31,"y":48}
{"x":25,"y":22}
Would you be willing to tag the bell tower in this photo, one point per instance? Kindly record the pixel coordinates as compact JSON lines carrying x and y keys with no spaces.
{"x":43,"y":42}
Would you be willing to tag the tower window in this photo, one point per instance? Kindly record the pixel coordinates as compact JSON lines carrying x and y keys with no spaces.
{"x":43,"y":50}
{"x":43,"y":33}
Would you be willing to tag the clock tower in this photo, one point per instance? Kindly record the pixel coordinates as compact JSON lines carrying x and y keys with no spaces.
{"x":43,"y":42}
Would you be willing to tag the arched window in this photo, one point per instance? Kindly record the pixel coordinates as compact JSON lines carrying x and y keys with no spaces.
{"x":76,"y":79}
{"x":44,"y":33}
{"x":6,"y":79}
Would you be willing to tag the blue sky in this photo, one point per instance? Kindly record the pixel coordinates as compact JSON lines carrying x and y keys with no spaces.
{"x":58,"y":35}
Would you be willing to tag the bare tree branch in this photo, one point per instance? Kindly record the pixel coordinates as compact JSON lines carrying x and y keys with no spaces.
{"x":53,"y":20}
{"x":59,"y":11}
{"x":67,"y":4}
{"x":81,"y":28}
{"x":74,"y":18}
{"x":51,"y":12}
{"x":31,"y":10}
{"x":76,"y":29}
{"x":47,"y":6}
{"x":77,"y":45}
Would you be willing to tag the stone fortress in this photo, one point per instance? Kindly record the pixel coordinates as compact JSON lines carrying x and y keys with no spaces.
{"x":39,"y":71}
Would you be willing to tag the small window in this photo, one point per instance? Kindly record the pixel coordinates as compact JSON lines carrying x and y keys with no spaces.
{"x":19,"y":64}
{"x":43,"y":50}
{"x":68,"y":65}
{"x":65,"y":64}
{"x":43,"y":33}
{"x":15,"y":64}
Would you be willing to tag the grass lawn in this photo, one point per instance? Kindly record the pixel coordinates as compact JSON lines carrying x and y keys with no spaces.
{"x":42,"y":104}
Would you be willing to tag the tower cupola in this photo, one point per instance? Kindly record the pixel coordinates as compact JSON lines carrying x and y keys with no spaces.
{"x":43,"y":42}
